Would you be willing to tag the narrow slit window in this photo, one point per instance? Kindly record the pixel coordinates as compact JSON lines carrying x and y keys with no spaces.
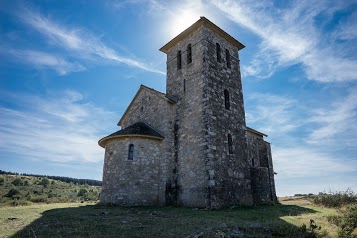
{"x":189,"y":54}
{"x":227,"y":103}
{"x":218,"y":51}
{"x":184,"y":85}
{"x":228,"y":58}
{"x":230,"y":144}
{"x":131,"y":152}
{"x":179,"y":65}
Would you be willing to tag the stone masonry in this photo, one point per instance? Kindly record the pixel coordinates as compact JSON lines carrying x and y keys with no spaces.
{"x":190,"y":146}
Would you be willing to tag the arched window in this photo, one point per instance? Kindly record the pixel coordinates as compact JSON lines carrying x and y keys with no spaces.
{"x":227,"y":104}
{"x":218,"y":51}
{"x":189,"y":54}
{"x":131,"y":152}
{"x":179,"y":60}
{"x":230,"y":144}
{"x":228,"y":58}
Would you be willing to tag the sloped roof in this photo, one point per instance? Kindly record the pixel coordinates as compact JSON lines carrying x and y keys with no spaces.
{"x":143,"y":87}
{"x":139,"y":129}
{"x":251,"y":130}
{"x":202,"y":21}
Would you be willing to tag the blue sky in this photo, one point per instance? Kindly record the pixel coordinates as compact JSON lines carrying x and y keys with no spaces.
{"x":69,"y":69}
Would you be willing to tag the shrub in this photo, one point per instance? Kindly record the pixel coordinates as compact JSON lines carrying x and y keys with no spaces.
{"x":39,"y":199}
{"x":82,"y":192}
{"x":335,"y":199}
{"x":17,"y":182}
{"x":45,"y":182}
{"x":2,"y":181}
{"x":12,"y":193}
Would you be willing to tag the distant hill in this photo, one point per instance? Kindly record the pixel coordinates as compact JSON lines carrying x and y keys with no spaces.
{"x":60,"y":178}
{"x":16,"y":189}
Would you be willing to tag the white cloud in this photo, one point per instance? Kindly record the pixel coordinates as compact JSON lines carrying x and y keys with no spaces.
{"x":59,"y":128}
{"x":83,"y":43}
{"x":292,"y":162}
{"x":290,"y":36}
{"x":272,"y":114}
{"x":45,"y":60}
{"x":338,"y":119}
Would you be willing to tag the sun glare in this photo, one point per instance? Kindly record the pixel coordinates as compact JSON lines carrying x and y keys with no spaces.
{"x":182,"y":21}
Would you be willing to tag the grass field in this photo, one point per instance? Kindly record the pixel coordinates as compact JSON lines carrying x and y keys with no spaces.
{"x":90,"y":220}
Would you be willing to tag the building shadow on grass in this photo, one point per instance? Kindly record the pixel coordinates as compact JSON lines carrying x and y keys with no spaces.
{"x":112,"y":221}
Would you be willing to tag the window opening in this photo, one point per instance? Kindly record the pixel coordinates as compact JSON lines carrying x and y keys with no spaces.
{"x":179,"y":60}
{"x":226,"y":99}
{"x":184,"y":85}
{"x":189,"y":54}
{"x":218,"y":51}
{"x":131,"y":152}
{"x":228,"y":58}
{"x":230,"y":144}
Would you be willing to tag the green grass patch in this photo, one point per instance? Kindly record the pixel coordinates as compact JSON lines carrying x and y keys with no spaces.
{"x":290,"y":219}
{"x":18,"y":190}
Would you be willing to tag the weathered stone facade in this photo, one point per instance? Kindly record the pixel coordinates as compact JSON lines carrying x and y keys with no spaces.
{"x":200,"y":153}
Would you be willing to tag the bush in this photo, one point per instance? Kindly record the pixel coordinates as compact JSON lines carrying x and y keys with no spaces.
{"x":45,"y":182}
{"x":335,"y":199}
{"x":82,"y":192}
{"x":12,"y":193}
{"x":2,"y":181}
{"x":39,"y":199}
{"x":17,"y":182}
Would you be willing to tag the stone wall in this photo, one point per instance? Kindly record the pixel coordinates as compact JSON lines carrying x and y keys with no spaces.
{"x":133,"y":182}
{"x":229,"y":172}
{"x":154,"y":109}
{"x":259,"y":154}
{"x":186,"y":85}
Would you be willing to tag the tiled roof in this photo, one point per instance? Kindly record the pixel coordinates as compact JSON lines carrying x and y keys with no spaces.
{"x":139,"y":129}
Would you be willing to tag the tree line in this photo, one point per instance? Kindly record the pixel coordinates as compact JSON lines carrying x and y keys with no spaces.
{"x":91,"y":182}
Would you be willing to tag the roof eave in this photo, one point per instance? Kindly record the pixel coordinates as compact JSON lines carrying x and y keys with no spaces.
{"x":202,"y":21}
{"x":103,"y":141}
{"x":256,"y":132}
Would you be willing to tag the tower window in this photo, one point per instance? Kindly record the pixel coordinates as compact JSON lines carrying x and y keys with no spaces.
{"x":189,"y":54}
{"x":227,"y":104}
{"x":218,"y":51}
{"x":179,"y":60}
{"x":228,"y":58}
{"x":230,"y":144}
{"x":131,"y":152}
{"x":184,"y":85}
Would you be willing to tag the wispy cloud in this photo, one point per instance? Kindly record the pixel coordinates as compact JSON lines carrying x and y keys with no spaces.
{"x":298,"y":161}
{"x":338,"y":119}
{"x":82,"y":42}
{"x":62,"y":127}
{"x":307,"y":141}
{"x":45,"y":60}
{"x":290,"y":36}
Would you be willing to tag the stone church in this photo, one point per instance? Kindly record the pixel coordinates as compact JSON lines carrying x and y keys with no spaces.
{"x":190,"y":146}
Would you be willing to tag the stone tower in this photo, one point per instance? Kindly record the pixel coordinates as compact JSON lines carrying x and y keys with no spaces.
{"x":211,"y":166}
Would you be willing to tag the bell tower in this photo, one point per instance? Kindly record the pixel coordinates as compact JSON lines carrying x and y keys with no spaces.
{"x":211,"y":166}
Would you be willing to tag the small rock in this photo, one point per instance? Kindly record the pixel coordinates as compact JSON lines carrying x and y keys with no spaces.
{"x":103,"y":213}
{"x":255,"y":225}
{"x":12,"y":218}
{"x":221,"y":234}
{"x":223,"y":225}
